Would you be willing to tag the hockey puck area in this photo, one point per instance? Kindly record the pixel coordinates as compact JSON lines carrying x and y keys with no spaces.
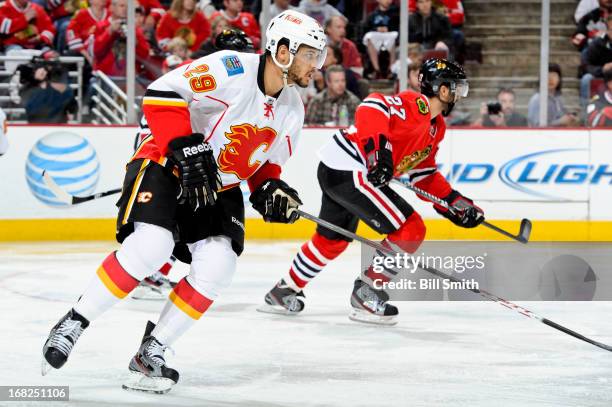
{"x":235,"y":356}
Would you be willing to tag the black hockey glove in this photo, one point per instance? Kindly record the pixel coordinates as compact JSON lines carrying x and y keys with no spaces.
{"x":200,"y":179}
{"x":466,"y":214}
{"x":276,"y":201}
{"x":379,"y":157}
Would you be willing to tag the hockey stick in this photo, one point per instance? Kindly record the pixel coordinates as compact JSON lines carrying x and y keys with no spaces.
{"x":71,"y":199}
{"x":438,"y":273}
{"x":524,"y":230}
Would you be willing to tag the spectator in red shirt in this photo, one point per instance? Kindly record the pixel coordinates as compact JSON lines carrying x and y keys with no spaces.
{"x":219,"y":24}
{"x":81,"y":28}
{"x":152,"y":8}
{"x":453,"y":9}
{"x":240,"y":19}
{"x":24,"y":24}
{"x":186,"y":21}
{"x":335,"y":28}
{"x":61,"y":11}
{"x":109,"y":45}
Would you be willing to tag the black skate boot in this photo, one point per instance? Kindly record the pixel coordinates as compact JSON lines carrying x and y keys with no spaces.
{"x":61,"y":340}
{"x":284,"y":300}
{"x":148,"y":370}
{"x":370,"y":305}
{"x":154,"y":287}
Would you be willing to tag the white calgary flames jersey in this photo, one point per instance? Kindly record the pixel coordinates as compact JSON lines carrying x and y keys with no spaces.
{"x":221,"y":96}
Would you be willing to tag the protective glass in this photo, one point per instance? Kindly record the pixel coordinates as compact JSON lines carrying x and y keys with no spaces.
{"x":462,"y":88}
{"x":312,"y":56}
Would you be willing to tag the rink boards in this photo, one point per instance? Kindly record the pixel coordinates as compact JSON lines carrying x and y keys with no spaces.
{"x":561,"y":179}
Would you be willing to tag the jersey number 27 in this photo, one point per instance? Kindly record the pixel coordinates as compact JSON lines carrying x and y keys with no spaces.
{"x":393,"y":101}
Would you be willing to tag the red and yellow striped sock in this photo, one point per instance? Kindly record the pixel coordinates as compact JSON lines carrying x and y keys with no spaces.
{"x":110,"y":285}
{"x":184,"y":307}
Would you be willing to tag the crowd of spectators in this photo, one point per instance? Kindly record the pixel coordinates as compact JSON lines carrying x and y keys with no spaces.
{"x":363,"y":38}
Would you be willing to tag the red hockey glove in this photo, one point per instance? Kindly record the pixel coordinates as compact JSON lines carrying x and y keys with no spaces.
{"x":379,"y":158}
{"x":466,"y":214}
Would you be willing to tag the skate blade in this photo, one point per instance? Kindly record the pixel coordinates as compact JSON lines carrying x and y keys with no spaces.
{"x":275,"y":309}
{"x":149,"y":294}
{"x":45,"y":367}
{"x":366,"y":317}
{"x":140,"y":382}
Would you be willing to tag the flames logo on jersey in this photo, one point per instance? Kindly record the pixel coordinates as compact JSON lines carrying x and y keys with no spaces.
{"x":412,"y":160}
{"x":237,"y":155}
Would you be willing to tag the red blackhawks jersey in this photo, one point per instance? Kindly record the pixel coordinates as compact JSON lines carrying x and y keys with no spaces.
{"x":221,"y":96}
{"x":194,"y":32}
{"x":406,"y":121}
{"x":81,"y":28}
{"x":244,"y":21}
{"x":17,"y":30}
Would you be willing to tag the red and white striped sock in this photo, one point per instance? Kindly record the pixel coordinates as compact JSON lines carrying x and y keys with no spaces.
{"x":313,"y":256}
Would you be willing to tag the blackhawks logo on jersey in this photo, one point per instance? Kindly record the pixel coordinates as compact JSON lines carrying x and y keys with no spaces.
{"x":412,"y":160}
{"x":422,"y":106}
{"x":237,"y":157}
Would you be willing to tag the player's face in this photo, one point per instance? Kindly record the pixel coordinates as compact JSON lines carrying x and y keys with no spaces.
{"x":304,"y":65}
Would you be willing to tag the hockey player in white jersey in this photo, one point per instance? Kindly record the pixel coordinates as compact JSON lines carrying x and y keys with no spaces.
{"x":222,"y":119}
{"x":158,"y":286}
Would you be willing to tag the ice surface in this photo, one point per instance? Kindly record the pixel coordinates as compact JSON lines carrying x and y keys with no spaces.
{"x":440,"y":354}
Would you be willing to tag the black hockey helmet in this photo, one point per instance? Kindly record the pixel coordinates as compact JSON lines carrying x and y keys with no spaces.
{"x":234,"y":39}
{"x":437,"y":72}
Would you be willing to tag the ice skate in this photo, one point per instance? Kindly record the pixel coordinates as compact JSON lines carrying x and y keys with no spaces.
{"x":61,"y":340}
{"x":370,"y":305}
{"x":154,"y":287}
{"x":284,"y":300}
{"x":148,"y":370}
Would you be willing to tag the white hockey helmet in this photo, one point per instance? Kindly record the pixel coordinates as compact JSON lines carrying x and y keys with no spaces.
{"x":298,"y":29}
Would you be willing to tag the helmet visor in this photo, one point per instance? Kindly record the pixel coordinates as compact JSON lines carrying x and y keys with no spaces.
{"x":461,"y":88}
{"x":312,"y":56}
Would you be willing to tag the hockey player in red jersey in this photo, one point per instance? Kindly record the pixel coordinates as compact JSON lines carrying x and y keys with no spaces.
{"x":225,"y":118}
{"x":393,"y":136}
